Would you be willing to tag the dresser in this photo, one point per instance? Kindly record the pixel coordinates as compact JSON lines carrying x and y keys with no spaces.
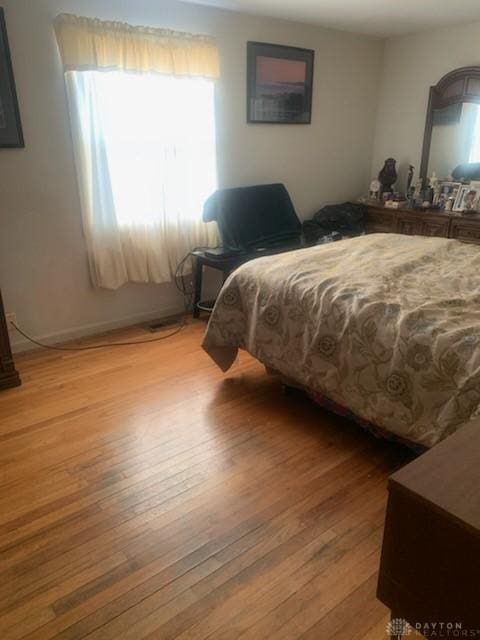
{"x":430,"y":565}
{"x":424,"y":223}
{"x":8,"y":374}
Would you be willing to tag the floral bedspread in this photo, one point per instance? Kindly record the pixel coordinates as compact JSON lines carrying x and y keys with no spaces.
{"x":386,"y":325}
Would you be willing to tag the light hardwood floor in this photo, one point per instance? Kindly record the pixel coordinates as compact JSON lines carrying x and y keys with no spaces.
{"x":144,"y":494}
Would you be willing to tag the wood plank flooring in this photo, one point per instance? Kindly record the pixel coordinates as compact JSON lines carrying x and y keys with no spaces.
{"x":144,"y":494}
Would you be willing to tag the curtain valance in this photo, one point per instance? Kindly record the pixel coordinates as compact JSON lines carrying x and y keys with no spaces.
{"x":91,"y":44}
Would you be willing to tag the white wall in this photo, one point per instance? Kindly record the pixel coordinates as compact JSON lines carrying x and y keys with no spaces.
{"x":411,"y":65}
{"x":43,"y":267}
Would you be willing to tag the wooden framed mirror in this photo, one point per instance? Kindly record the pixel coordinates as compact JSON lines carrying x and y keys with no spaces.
{"x":452,"y":128}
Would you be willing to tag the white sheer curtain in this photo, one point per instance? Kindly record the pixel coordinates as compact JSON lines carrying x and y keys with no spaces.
{"x":146,"y":162}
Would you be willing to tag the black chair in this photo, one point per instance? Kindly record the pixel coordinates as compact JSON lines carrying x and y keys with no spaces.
{"x":252,"y":221}
{"x":251,"y":218}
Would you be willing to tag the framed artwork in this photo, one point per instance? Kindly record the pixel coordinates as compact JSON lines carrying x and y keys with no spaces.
{"x":279,"y":84}
{"x":10,"y":125}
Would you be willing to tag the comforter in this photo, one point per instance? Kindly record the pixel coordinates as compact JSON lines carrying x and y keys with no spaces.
{"x":386,"y":325}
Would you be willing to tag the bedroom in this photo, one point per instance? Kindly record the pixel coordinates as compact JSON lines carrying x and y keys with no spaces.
{"x":145,"y":493}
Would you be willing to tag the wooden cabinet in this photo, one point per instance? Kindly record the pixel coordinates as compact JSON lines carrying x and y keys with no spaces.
{"x":8,"y":374}
{"x":431,"y":546}
{"x":424,"y":223}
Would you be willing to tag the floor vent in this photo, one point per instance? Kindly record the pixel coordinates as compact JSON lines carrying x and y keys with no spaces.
{"x":164,"y":323}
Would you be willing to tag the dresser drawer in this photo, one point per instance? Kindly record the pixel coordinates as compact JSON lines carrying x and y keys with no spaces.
{"x":409,"y":225}
{"x":466,"y":231}
{"x":380,"y":221}
{"x":436,"y":227}
{"x":423,"y":224}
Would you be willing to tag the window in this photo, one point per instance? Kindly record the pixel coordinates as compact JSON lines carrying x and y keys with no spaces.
{"x":141,"y":102}
{"x":147,"y":143}
{"x":159,"y":137}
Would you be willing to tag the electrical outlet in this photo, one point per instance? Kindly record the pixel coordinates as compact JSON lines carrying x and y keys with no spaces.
{"x":11,"y":317}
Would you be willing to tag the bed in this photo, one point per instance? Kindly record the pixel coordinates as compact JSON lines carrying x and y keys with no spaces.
{"x":384,"y":325}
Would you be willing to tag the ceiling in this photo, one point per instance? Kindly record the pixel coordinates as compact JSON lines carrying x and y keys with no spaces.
{"x":382,"y":18}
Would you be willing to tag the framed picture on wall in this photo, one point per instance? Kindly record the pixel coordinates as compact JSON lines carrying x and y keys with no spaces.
{"x":279,"y":84}
{"x":10,"y":125}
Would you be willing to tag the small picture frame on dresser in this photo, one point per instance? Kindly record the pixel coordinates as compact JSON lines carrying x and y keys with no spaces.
{"x":468,"y":198}
{"x":475,"y":186}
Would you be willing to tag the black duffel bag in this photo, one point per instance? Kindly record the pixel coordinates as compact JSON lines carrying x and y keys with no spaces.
{"x":347,"y":219}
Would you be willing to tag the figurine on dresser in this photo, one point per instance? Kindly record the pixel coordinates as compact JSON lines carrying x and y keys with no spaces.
{"x":374,"y":192}
{"x":411,"y":170}
{"x":435,"y":188}
{"x":388,"y":175}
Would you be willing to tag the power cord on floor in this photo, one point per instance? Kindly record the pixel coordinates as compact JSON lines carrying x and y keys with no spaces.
{"x":102,"y":345}
{"x":181,"y":285}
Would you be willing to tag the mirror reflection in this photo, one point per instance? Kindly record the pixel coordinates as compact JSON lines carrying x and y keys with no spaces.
{"x":455,"y":138}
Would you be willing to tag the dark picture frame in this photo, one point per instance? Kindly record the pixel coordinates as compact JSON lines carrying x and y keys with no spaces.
{"x":279,"y":84}
{"x":11,"y":134}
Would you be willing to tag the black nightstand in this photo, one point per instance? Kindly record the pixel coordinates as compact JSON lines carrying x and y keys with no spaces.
{"x":226,"y":262}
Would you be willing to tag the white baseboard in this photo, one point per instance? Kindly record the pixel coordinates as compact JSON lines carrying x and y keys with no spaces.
{"x":21,"y":344}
